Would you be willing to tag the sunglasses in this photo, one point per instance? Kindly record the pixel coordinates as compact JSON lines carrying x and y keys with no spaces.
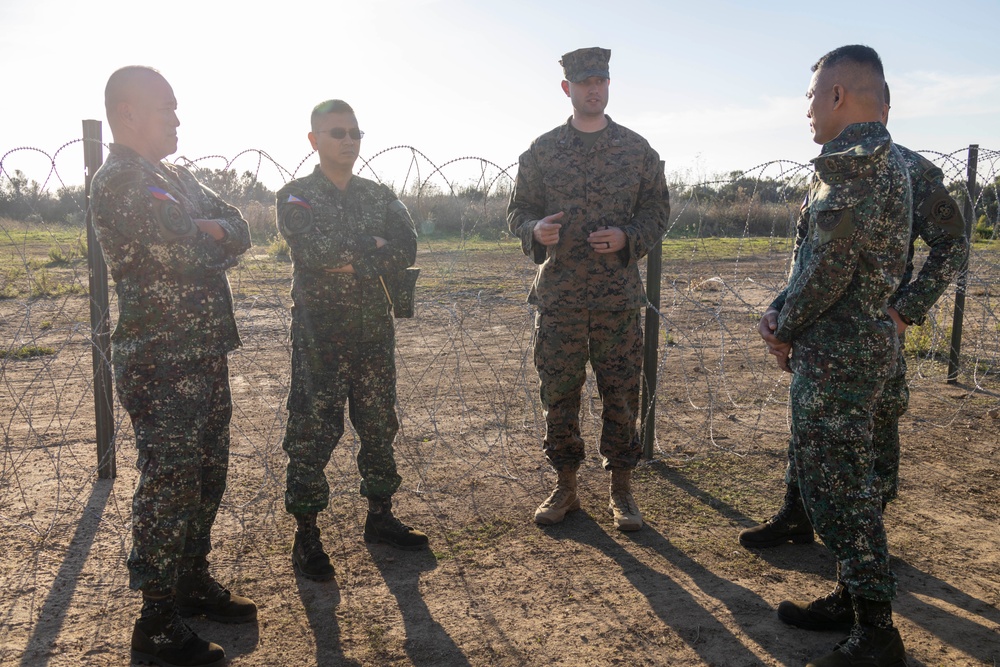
{"x":340,"y":133}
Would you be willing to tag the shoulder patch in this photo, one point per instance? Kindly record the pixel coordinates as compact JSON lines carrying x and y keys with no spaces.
{"x":173,"y":220}
{"x":941,"y":209}
{"x":398,"y":209}
{"x":929,"y":171}
{"x":295,"y":215}
{"x":835,"y":224}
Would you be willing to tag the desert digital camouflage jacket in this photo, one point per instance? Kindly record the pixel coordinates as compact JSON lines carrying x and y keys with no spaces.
{"x":853,"y":254}
{"x":327,"y":228}
{"x":937,"y":219}
{"x":618,"y":183}
{"x":174,"y":299}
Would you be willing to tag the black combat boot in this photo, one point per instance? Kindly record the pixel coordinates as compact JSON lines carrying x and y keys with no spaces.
{"x":833,"y":611}
{"x":791,"y":523}
{"x":161,"y":638}
{"x":382,"y":526}
{"x":198,"y":593}
{"x":873,"y":641}
{"x":308,"y":557}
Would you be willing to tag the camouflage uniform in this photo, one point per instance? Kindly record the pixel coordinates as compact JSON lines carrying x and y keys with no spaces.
{"x":937,"y":220}
{"x":343,"y":342}
{"x":588,"y":303}
{"x":844,"y":344}
{"x":169,"y":347}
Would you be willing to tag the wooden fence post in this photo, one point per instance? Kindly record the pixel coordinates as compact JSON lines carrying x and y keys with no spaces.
{"x":954,"y":365}
{"x":100,"y":320}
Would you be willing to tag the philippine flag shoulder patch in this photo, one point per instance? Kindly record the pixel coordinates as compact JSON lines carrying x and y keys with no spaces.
{"x":161,"y":194}
{"x":292,"y":199}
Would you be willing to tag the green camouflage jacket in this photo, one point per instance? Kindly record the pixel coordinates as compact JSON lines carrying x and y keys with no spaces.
{"x":173,"y":295}
{"x":618,"y":183}
{"x":327,"y":228}
{"x":853,"y":254}
{"x":937,"y":219}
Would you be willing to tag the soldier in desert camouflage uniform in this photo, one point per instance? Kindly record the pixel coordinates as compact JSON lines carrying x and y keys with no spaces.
{"x":169,"y":240}
{"x":350,"y":240}
{"x":589,"y":201}
{"x":834,"y":334}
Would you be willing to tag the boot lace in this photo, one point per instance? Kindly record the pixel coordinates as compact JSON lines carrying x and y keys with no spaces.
{"x":625,"y":502}
{"x":556,"y":498}
{"x":312,"y":548}
{"x":389,"y":523}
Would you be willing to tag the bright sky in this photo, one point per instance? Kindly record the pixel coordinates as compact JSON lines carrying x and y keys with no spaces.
{"x":713,"y":85}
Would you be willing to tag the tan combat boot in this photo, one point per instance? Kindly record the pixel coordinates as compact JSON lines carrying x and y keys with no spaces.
{"x":622,"y":505}
{"x":562,"y":500}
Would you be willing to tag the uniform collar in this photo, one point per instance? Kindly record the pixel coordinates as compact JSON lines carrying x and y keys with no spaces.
{"x":327,"y":185}
{"x":853,"y":149}
{"x":611,"y":136}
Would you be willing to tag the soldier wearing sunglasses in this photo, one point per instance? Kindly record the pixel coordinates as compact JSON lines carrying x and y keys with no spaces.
{"x":349,"y":237}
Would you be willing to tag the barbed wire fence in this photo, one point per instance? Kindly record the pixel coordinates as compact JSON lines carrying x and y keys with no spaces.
{"x":467,"y":389}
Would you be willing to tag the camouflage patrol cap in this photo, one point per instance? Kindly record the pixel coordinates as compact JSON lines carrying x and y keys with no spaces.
{"x":583,"y":63}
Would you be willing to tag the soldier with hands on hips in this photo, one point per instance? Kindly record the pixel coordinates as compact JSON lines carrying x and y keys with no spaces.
{"x":836,"y":337}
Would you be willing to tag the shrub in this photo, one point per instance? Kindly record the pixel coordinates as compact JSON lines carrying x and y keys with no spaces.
{"x":983,"y":230}
{"x":279,"y":249}
{"x":260,"y":217}
{"x":927,"y":341}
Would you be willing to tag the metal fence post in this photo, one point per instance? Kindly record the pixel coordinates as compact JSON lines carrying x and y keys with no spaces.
{"x":651,"y":337}
{"x":960,"y":283}
{"x":100,"y":320}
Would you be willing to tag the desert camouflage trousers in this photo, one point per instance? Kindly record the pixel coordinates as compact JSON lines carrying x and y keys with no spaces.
{"x":180,"y":412}
{"x":612,"y":341}
{"x":324,"y":377}
{"x":835,"y":467}
{"x":890,"y":407}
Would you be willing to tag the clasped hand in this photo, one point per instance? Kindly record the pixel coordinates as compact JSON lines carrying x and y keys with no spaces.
{"x":781,"y":350}
{"x":604,"y":240}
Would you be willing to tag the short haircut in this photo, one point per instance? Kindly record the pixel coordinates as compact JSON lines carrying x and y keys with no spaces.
{"x":854,"y":54}
{"x":329,"y":106}
{"x":121,"y":83}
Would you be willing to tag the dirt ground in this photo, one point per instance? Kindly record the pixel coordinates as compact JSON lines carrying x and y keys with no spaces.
{"x":495,"y":589}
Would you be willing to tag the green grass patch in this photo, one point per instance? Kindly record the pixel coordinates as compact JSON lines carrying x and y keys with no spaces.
{"x":47,"y":285}
{"x":927,"y":341}
{"x":63,"y":254}
{"x":27,"y":352}
{"x":724,"y":248}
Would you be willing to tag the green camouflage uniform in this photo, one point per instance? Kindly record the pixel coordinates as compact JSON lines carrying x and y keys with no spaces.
{"x":844,"y":344}
{"x":937,"y":220}
{"x":343,"y":342}
{"x":174,"y":329}
{"x":588,"y":303}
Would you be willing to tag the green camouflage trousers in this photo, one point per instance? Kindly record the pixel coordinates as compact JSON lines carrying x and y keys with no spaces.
{"x":323,"y":378}
{"x":890,"y":407}
{"x":835,"y":467}
{"x":180,"y":412}
{"x":612,"y":341}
